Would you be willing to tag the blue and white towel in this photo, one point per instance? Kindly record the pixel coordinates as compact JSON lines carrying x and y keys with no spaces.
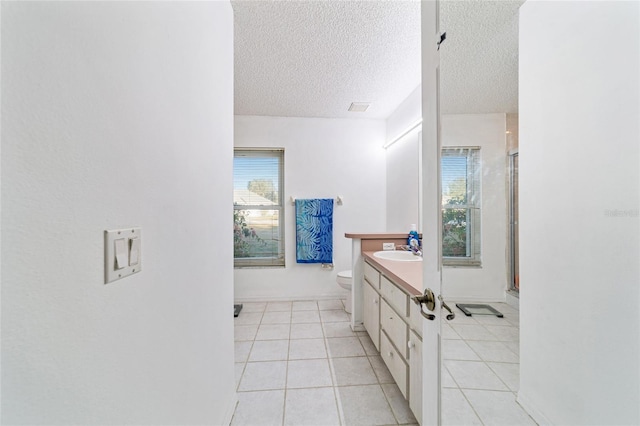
{"x":314,"y":230}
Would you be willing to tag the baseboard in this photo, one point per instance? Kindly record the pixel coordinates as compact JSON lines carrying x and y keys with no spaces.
{"x":513,"y":299}
{"x":472,"y":299}
{"x":341,"y":296}
{"x":532,"y":411}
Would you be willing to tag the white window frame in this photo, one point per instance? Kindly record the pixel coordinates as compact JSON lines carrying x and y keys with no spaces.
{"x":473,"y":206}
{"x":279,"y":259}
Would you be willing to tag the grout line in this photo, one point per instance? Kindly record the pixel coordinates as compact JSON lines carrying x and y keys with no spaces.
{"x":286,"y":372}
{"x":244,"y":366}
{"x":330,"y":358}
{"x":459,"y":390}
{"x":464,"y":395}
{"x":386,"y":398}
{"x":332,"y":372}
{"x":486,"y":363}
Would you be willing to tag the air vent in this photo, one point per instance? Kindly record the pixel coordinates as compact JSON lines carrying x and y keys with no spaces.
{"x":359,"y":106}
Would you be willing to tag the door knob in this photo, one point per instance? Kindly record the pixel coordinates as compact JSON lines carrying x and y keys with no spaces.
{"x":428,"y":299}
{"x":450,"y":315}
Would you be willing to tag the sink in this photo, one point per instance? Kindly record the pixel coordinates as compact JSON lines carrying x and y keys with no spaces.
{"x":401,"y":256}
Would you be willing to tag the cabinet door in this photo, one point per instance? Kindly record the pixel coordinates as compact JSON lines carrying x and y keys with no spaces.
{"x":371,"y":314}
{"x":394,"y":326}
{"x":415,"y":378}
{"x":395,"y":363}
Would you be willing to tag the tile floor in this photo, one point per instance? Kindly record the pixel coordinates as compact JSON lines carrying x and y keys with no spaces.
{"x":480,"y":369}
{"x":299,"y":363}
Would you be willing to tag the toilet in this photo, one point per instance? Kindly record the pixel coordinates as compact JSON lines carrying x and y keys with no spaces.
{"x":344,"y":279}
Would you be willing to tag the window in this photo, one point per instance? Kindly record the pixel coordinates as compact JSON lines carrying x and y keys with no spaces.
{"x":461,"y":206}
{"x":258,"y":214}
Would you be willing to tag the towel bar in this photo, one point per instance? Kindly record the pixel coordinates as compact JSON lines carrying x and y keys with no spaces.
{"x":338,"y":200}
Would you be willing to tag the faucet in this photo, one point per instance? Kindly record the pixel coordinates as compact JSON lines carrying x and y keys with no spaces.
{"x":415,"y":247}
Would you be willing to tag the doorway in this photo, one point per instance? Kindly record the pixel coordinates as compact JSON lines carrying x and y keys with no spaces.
{"x":480,"y":354}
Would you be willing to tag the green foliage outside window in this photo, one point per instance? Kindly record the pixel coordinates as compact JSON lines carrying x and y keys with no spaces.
{"x":455,"y":220}
{"x":461,"y":196}
{"x":454,"y":232}
{"x":244,"y":237}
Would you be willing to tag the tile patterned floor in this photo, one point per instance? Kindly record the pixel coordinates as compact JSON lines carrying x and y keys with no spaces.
{"x":299,"y":363}
{"x":480,"y":371}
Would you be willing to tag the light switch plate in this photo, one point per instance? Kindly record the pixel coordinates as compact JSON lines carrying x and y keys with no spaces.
{"x":388,"y":246}
{"x":111,"y":271}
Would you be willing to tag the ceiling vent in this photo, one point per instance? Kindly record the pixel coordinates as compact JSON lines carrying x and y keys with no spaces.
{"x":359,"y":106}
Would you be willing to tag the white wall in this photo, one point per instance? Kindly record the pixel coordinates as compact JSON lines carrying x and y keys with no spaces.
{"x":403,"y":184}
{"x":406,"y":114}
{"x":403,"y":165}
{"x":324,"y":158}
{"x":487,"y":283}
{"x":114,"y":115}
{"x":579,"y":220}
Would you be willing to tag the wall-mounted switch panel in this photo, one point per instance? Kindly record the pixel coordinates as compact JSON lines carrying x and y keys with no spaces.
{"x":388,"y":246}
{"x":122,"y":253}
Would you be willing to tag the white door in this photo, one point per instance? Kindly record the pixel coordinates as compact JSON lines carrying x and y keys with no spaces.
{"x":431,"y":212}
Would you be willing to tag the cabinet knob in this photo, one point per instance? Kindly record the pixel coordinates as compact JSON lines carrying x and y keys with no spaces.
{"x":375,"y":301}
{"x":411,"y":345}
{"x":391,"y":354}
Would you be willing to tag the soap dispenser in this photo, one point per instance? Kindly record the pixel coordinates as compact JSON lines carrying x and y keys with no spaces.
{"x":413,"y":235}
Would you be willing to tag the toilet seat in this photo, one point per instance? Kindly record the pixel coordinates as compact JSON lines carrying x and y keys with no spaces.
{"x":344,"y":278}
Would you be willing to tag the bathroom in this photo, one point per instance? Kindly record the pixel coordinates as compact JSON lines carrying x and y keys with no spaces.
{"x":347,"y":156}
{"x":121,"y":114}
{"x":386,"y":199}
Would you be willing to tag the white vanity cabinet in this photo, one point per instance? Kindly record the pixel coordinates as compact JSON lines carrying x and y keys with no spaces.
{"x":393,"y":346}
{"x":415,"y":378}
{"x":395,"y":330}
{"x":371,"y":313}
{"x":415,"y":360}
{"x":371,"y":305}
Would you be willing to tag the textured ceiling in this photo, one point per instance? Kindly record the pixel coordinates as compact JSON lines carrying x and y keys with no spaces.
{"x":479,"y":64}
{"x":313,"y":58}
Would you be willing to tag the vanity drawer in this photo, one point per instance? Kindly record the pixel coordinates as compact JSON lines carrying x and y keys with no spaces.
{"x":371,"y":314}
{"x":372,"y":276}
{"x":395,"y":328}
{"x":396,"y":297}
{"x":395,"y":363}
